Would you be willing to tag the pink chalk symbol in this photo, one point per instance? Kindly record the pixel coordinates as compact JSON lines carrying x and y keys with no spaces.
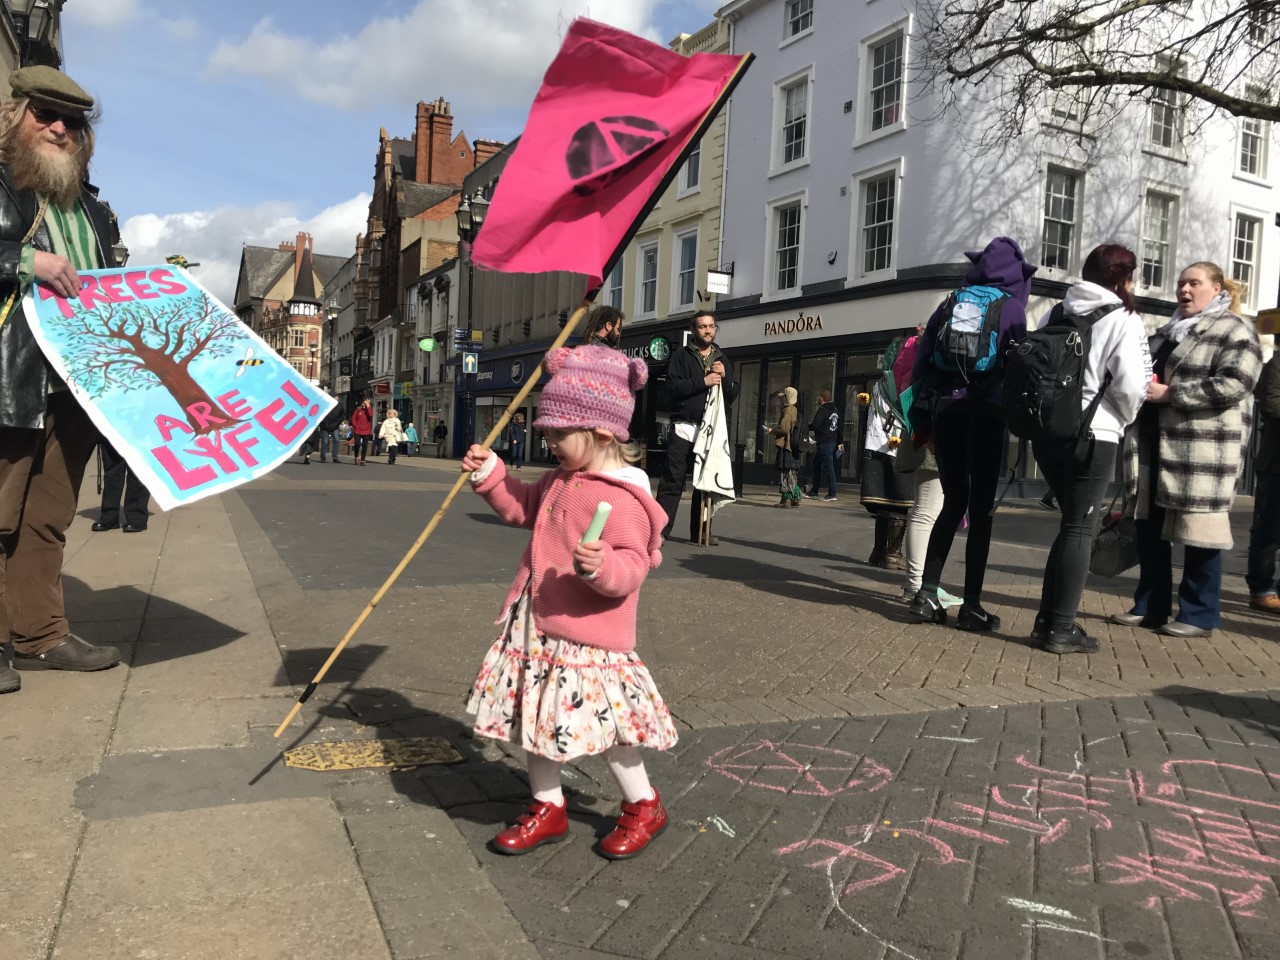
{"x":800,"y":769}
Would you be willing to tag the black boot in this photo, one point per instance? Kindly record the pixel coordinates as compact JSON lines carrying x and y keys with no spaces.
{"x":880,"y":552}
{"x":894,"y":559}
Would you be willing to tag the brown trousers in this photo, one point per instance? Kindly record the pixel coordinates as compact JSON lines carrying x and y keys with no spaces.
{"x":40,"y":476}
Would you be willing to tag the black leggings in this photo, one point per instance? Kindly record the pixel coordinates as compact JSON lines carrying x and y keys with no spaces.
{"x":363,"y":441}
{"x":1079,"y":483}
{"x":968,"y":438}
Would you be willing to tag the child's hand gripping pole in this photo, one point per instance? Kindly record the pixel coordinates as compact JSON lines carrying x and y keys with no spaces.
{"x":587,"y":559}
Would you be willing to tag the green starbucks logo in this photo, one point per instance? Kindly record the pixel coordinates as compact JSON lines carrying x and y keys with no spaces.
{"x":659,"y":348}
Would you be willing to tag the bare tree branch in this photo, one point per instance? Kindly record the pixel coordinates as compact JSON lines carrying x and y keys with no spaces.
{"x":1214,"y":55}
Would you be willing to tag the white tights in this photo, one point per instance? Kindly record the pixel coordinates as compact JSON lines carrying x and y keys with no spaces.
{"x":625,"y":763}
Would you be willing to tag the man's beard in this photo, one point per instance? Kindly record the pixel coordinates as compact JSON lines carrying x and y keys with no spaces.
{"x":58,"y":177}
{"x":613,"y":337}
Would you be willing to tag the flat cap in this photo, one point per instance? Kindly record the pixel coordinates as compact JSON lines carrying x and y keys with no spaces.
{"x":50,"y":86}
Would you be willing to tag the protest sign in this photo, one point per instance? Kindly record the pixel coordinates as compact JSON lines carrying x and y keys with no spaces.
{"x":194,"y":400}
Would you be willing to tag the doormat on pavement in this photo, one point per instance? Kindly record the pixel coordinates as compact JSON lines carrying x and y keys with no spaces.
{"x":372,"y":754}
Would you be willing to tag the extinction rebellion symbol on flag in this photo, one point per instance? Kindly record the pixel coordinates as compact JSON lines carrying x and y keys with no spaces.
{"x":590,"y":150}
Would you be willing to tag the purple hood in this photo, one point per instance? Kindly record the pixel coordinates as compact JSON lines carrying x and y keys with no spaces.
{"x":1001,"y":264}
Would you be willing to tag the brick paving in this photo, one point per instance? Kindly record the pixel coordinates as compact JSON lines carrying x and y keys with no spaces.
{"x":847,"y":784}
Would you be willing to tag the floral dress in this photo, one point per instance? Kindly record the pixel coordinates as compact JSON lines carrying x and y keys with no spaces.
{"x":563,"y":700}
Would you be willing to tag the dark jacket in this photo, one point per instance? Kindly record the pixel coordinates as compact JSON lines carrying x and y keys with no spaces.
{"x":686,"y":386}
{"x":333,"y":419}
{"x":825,"y":425}
{"x":24,"y":373}
{"x":1267,"y":396}
{"x":1000,"y":264}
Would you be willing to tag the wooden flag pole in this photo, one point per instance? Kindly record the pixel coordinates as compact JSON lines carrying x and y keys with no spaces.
{"x":498,"y":427}
{"x":569,"y":328}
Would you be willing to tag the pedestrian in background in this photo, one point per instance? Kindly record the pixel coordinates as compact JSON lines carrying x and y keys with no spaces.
{"x":692,"y":372}
{"x":440,"y":434}
{"x":786,"y":457}
{"x":958,"y":406}
{"x":516,"y":435}
{"x":604,"y":326}
{"x":925,"y":486}
{"x":826,"y":428}
{"x":563,"y":680}
{"x":119,"y":479}
{"x":1264,"y":534}
{"x":1117,"y":367}
{"x":362,"y":429}
{"x":330,"y":430}
{"x":886,"y":492}
{"x":392,"y":434}
{"x":1185,"y":456}
{"x":411,"y":439}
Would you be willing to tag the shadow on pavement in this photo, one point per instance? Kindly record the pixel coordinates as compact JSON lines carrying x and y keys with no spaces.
{"x":487,"y":787}
{"x":124,"y":614}
{"x":1255,"y":711}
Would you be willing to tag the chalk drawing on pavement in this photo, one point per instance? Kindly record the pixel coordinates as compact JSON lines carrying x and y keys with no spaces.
{"x":800,"y":769}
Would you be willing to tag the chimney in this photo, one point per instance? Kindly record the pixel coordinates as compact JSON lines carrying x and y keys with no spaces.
{"x":440,"y":128}
{"x":486,"y":149}
{"x":421,"y":143}
{"x":300,"y":245}
{"x":286,"y":245}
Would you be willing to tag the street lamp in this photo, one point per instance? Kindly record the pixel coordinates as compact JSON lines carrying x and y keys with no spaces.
{"x":34,"y":20}
{"x":471,"y":214}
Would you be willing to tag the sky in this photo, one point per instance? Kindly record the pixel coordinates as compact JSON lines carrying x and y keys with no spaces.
{"x":243,"y":122}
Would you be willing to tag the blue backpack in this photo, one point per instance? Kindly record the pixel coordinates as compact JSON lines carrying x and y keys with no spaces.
{"x":968,"y":342}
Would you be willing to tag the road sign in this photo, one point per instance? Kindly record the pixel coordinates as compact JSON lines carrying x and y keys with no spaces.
{"x":470,"y":363}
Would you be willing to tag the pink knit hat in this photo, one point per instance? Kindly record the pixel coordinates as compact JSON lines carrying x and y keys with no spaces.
{"x":592,"y":387}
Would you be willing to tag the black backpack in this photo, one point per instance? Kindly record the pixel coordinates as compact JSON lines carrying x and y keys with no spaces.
{"x":1044,"y":379}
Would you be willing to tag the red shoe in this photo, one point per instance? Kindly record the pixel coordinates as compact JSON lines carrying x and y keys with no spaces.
{"x":639,"y":823}
{"x":542,"y":823}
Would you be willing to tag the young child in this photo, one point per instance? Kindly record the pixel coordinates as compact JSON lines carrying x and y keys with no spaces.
{"x":563,"y":679}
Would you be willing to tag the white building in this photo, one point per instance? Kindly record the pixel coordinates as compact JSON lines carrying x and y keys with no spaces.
{"x":847,"y":208}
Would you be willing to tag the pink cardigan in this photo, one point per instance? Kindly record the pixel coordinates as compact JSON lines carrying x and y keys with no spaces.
{"x":600,"y":612}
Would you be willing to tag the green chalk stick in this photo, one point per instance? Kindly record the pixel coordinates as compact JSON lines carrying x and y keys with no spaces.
{"x":597,"y":523}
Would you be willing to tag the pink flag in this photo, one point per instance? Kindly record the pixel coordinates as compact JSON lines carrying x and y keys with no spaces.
{"x":613,"y":116}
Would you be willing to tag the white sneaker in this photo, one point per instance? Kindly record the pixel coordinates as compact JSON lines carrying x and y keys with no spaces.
{"x":947,"y":600}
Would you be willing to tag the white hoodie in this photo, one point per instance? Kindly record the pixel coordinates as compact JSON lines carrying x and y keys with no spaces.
{"x":1118,"y":343}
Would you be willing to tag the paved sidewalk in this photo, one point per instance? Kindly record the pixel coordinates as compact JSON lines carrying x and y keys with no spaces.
{"x":149,"y":815}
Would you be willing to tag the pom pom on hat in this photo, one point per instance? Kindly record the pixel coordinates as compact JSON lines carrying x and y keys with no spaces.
{"x":591,"y":388}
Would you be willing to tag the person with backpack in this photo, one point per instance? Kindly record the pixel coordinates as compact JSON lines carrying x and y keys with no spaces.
{"x":826,"y":428}
{"x":787,"y":443}
{"x":885,"y":492}
{"x":1099,"y":375}
{"x":958,"y":406}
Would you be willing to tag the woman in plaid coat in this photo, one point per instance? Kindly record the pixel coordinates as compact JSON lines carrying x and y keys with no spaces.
{"x":1183,"y":456}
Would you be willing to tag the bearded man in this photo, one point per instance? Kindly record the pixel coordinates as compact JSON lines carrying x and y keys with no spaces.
{"x":51,"y":226}
{"x":604,"y":327}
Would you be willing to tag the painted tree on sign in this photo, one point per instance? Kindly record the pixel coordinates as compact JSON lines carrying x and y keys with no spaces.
{"x":133,"y":346}
{"x":1083,"y":62}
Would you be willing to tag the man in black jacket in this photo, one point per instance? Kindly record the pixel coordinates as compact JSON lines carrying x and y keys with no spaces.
{"x":329,"y":433}
{"x":691,"y":372}
{"x":1264,"y":534}
{"x":825,"y":428}
{"x":52,"y":226}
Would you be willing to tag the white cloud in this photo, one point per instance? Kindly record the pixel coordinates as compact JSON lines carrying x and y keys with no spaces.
{"x":496,"y":50}
{"x":184,"y":29}
{"x":107,"y":13}
{"x":213,"y":238}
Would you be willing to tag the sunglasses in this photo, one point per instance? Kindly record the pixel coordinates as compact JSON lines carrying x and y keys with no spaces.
{"x":47,"y":117}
